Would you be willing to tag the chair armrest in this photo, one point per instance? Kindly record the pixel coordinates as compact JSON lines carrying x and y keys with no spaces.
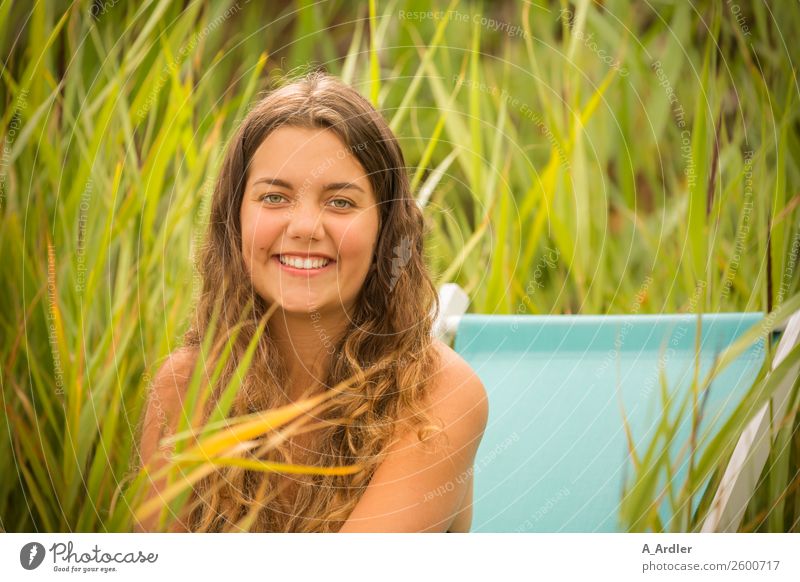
{"x":747,"y":461}
{"x":453,"y":303}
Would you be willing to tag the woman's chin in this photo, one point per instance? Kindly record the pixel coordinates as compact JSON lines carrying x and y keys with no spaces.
{"x":304,"y":308}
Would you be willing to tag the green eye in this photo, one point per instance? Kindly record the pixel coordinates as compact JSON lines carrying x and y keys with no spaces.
{"x":272,"y":197}
{"x":348,"y":204}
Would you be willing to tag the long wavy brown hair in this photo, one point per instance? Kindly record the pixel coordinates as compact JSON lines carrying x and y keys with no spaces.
{"x":387,"y":345}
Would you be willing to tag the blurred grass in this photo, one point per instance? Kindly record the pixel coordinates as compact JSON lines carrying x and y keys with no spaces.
{"x":672,"y":157}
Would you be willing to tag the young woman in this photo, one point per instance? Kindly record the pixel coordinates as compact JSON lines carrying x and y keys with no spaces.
{"x":313,"y":217}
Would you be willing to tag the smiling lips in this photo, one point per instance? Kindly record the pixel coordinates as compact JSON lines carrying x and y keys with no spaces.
{"x":305,"y":264}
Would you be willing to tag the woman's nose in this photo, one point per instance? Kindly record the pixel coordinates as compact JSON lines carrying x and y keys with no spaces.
{"x":305,"y":221}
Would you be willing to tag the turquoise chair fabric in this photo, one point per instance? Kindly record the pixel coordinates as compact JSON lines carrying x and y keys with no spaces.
{"x":554,"y":456}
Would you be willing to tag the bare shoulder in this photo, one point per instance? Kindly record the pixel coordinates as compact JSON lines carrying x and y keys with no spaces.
{"x":165,"y":397}
{"x":172,"y":379}
{"x":428,"y":489}
{"x":457,"y":392}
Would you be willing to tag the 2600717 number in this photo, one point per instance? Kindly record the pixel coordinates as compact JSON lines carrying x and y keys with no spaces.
{"x":754,"y":565}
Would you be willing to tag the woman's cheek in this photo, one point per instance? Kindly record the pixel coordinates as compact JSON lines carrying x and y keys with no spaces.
{"x":258,"y":236}
{"x":252,"y":237}
{"x":247,"y":244}
{"x":357,"y":243}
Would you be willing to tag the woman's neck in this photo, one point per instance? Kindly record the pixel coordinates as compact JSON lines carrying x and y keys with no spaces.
{"x":306,"y":343}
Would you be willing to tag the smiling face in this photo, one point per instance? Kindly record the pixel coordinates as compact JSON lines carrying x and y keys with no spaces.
{"x":309,"y":221}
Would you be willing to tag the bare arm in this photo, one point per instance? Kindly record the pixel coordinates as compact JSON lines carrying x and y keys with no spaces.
{"x":463,"y":519}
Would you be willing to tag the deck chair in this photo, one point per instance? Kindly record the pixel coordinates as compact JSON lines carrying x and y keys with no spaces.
{"x":554,"y":455}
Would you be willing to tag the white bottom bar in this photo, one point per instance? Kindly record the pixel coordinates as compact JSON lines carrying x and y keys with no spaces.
{"x":349,"y":557}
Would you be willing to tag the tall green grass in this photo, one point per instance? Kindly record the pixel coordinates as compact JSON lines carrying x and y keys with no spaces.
{"x":524,"y":142}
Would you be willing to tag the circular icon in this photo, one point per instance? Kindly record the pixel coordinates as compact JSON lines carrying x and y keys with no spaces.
{"x":31,"y":555}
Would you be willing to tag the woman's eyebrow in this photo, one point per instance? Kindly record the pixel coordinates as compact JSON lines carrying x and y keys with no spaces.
{"x":342,"y":186}
{"x":274,"y":182}
{"x":332,"y":186}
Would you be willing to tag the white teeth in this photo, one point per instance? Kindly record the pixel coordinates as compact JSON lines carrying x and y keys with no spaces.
{"x":299,"y":263}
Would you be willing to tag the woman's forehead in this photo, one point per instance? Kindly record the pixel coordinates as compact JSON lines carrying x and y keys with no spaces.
{"x":294,"y":153}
